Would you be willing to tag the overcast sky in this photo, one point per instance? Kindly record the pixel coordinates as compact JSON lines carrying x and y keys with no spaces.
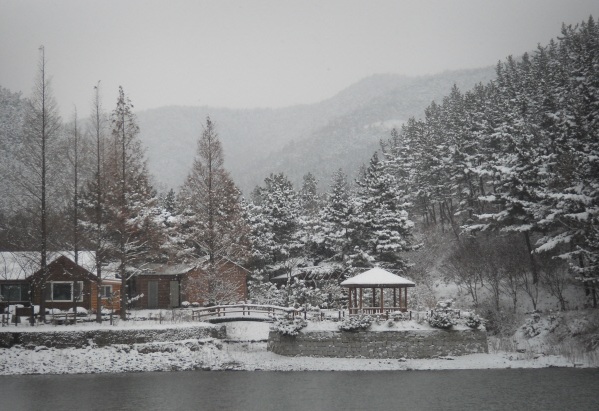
{"x":254,"y":53}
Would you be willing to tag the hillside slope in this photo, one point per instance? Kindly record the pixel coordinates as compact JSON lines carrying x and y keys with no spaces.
{"x":342,"y":131}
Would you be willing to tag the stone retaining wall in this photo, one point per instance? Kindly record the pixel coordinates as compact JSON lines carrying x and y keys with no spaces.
{"x":381,"y":344}
{"x":102,"y":337}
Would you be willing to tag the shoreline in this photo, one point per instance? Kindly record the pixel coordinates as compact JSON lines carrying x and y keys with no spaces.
{"x":218,"y":355}
{"x":243,"y":349}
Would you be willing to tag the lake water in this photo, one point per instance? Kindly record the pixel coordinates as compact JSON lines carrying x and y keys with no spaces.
{"x":544,"y":389}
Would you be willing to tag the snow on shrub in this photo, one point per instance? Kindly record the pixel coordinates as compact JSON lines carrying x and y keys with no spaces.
{"x":185,"y":304}
{"x":532,"y":326}
{"x":288,"y":326}
{"x":355,"y":323}
{"x":398,"y":316}
{"x":473,"y":321}
{"x":80,"y":311}
{"x":441,"y":319}
{"x":52,"y":311}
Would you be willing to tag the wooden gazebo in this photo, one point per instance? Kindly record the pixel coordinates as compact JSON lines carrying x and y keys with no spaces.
{"x":377,"y":279}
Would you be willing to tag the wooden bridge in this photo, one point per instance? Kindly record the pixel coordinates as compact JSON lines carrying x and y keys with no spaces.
{"x":242,"y":312}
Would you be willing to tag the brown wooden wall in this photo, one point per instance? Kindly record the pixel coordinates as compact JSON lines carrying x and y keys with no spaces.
{"x":164,"y":291}
{"x":195,"y":283}
{"x":63,"y":269}
{"x":114,"y":303}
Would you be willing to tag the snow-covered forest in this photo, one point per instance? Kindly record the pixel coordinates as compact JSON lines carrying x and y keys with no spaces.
{"x":494,"y":189}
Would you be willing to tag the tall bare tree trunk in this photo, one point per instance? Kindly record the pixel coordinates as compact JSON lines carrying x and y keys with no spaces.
{"x":97,"y":107}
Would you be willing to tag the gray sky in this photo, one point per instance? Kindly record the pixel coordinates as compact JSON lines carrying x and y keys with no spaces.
{"x":259,"y":53}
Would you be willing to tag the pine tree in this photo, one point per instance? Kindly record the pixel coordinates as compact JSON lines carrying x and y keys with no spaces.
{"x":275,"y":225}
{"x":382,"y":229}
{"x":335,"y":217}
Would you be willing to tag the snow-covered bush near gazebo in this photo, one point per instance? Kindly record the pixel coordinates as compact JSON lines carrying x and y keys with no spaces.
{"x":399,"y":316}
{"x":290,"y":327}
{"x":441,"y":319}
{"x":185,"y":304}
{"x":356,"y":323}
{"x":473,"y":321}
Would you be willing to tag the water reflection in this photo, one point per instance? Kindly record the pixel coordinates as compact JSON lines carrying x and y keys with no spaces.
{"x":545,"y":389}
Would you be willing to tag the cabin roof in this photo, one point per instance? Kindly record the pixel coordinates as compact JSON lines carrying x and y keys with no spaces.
{"x":166,"y":269}
{"x":20,"y":265}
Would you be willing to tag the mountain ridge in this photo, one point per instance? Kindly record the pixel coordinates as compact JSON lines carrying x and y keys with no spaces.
{"x":340,"y":132}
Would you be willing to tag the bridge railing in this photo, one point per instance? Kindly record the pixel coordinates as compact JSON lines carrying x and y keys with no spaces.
{"x":243,"y":309}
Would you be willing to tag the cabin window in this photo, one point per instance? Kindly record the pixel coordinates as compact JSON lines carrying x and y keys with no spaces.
{"x":106,"y":291}
{"x":63,"y":291}
{"x":14,"y":292}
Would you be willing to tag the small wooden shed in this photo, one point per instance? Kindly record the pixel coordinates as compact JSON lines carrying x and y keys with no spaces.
{"x":377,"y":279}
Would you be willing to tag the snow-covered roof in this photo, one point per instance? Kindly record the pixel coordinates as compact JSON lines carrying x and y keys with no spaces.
{"x":377,"y":277}
{"x":315,"y":271}
{"x":19,"y":265}
{"x":166,"y":269}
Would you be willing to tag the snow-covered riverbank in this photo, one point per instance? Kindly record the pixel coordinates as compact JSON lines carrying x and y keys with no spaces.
{"x":245,"y":349}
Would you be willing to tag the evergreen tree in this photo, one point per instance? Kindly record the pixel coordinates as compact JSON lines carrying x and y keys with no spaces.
{"x":336,"y":219}
{"x":382,"y":229}
{"x":275,"y":225}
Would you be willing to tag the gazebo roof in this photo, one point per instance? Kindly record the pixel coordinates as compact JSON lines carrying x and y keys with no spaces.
{"x":377,"y":277}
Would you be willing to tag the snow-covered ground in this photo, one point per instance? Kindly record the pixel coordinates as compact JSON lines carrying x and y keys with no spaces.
{"x":245,"y":349}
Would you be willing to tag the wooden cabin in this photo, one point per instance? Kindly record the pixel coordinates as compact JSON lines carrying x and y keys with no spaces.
{"x":165,"y":286}
{"x":65,"y":284}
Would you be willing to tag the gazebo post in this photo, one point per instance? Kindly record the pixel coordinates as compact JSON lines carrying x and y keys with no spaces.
{"x":349,"y":306}
{"x":399,"y":299}
{"x":406,"y":298}
{"x":373,"y":297}
{"x":361,"y":298}
{"x":394,"y":297}
{"x":382,"y":301}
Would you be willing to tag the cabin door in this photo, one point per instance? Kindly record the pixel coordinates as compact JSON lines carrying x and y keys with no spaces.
{"x":174,"y":295}
{"x":152,"y":294}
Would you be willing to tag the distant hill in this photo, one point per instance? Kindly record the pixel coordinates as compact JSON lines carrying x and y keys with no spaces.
{"x":342,"y":131}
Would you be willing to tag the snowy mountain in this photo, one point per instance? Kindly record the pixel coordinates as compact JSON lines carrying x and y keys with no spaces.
{"x":342,"y":131}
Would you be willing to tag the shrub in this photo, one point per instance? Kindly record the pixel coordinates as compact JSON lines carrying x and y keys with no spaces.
{"x":474,"y":321}
{"x":502,"y":322}
{"x":532,"y":326}
{"x":80,"y":311}
{"x":399,"y":316}
{"x":290,"y":327}
{"x":356,"y":323}
{"x":440,"y":319}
